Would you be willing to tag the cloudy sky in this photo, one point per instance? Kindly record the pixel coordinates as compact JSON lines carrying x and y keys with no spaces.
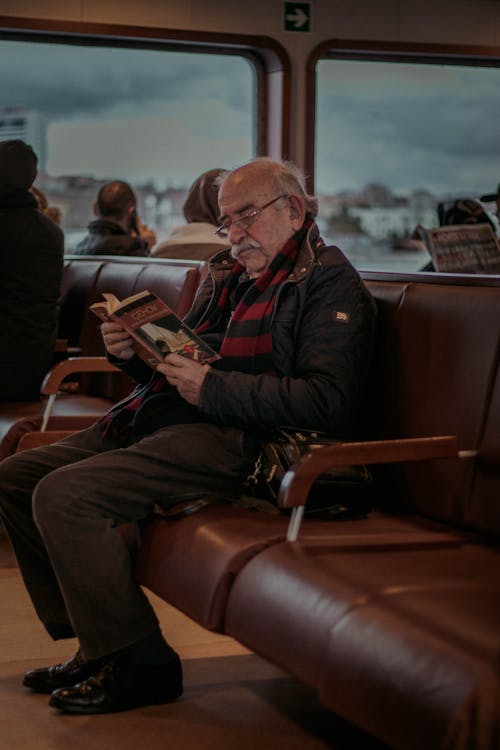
{"x":133,"y":114}
{"x":167,"y":116}
{"x":408,"y":126}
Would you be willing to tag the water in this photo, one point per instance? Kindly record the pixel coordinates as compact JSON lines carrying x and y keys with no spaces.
{"x":368,"y":254}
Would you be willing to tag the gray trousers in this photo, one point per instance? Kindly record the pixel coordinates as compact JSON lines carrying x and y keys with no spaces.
{"x":61,"y":504}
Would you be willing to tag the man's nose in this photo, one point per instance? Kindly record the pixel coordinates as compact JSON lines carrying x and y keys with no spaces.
{"x":236,"y":234}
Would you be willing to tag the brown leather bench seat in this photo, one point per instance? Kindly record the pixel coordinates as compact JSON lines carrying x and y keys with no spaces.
{"x":393,"y":635}
{"x":85,"y":279}
{"x":393,"y":619}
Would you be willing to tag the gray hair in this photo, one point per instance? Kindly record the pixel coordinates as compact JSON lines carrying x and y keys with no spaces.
{"x":288,"y":179}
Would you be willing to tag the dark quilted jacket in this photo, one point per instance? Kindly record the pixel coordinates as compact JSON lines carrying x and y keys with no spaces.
{"x":323,"y":330}
{"x":31,"y":266}
{"x":107,"y":238}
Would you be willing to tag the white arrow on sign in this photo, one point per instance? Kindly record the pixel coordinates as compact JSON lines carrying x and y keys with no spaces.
{"x":298,"y":18}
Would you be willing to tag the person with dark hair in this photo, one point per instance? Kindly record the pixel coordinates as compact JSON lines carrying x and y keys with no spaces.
{"x":294,"y":325}
{"x":196,"y":240}
{"x":457,"y":212}
{"x":117,"y":229}
{"x":31,"y":266}
{"x":463,"y":211}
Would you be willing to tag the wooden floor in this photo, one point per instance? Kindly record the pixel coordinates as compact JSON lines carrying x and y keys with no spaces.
{"x":232,"y":699}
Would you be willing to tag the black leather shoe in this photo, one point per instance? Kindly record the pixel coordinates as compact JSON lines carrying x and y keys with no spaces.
{"x":120,"y":687}
{"x":48,"y":679}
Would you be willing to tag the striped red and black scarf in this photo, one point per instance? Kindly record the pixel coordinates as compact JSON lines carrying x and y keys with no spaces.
{"x":247,"y":343}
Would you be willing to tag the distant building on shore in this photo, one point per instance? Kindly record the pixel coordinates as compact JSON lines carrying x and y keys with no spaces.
{"x":19,"y":123}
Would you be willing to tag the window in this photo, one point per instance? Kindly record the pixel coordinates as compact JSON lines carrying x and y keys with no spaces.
{"x":394,"y":138}
{"x":154,"y":117}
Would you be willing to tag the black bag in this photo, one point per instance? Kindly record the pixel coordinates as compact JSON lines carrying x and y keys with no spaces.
{"x":343,"y":491}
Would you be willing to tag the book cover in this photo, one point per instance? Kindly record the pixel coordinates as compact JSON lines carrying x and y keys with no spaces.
{"x":154,"y":326}
{"x":462,"y":248}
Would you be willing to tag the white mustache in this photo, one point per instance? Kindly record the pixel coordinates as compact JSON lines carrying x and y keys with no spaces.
{"x":244,"y":244}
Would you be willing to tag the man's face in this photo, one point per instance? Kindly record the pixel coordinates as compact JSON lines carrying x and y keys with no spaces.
{"x":247,"y":190}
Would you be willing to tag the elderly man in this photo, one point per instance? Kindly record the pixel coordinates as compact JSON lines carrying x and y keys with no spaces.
{"x":294,"y":326}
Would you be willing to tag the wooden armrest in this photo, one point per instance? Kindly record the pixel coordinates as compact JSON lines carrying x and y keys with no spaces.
{"x":298,"y":481}
{"x":52,"y":383}
{"x":59,"y":372}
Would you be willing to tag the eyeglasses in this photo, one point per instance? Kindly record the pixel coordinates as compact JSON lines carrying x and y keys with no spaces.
{"x":245,"y":221}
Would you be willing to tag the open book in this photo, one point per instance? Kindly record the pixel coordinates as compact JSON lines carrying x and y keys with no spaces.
{"x":154,"y":326}
{"x":462,"y":248}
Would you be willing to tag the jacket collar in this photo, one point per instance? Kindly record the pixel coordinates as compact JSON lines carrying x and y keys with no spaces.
{"x":105,"y":226}
{"x":306,"y":256}
{"x":222,"y":261}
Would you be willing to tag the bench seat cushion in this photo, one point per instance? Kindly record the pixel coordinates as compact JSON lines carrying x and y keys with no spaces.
{"x":192,"y":562}
{"x":400,"y":622}
{"x":416,"y":655}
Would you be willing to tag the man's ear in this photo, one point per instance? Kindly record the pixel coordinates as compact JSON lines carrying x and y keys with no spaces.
{"x":297,"y":209}
{"x":94,"y":209}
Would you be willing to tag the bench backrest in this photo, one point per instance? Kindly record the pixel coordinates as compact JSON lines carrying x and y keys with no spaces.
{"x":85,"y":280}
{"x":436,"y":372}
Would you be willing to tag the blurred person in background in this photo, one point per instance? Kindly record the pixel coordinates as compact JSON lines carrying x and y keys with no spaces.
{"x":53,"y":212}
{"x":31,"y":252}
{"x":117,"y":230}
{"x":196,"y":240}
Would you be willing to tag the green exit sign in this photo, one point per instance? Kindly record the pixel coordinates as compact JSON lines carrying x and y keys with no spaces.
{"x":297,"y":17}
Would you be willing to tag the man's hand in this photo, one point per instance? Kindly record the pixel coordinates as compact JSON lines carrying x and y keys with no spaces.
{"x":117,"y":341}
{"x":146,"y":234}
{"x":185,"y":374}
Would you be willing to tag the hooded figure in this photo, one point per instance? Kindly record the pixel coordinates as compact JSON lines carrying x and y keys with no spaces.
{"x":196,"y":240}
{"x":31,"y":265}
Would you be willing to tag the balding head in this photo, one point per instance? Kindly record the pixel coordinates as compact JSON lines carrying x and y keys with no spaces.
{"x":281,"y":177}
{"x":115,"y":201}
